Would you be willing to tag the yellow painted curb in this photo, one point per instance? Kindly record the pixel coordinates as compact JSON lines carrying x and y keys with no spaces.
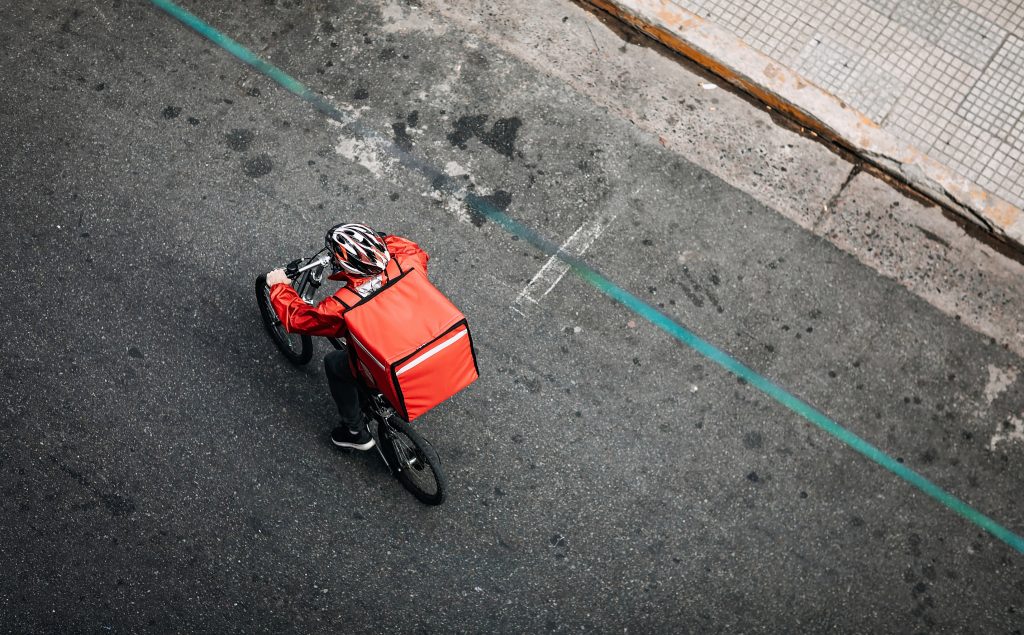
{"x":787,"y":91}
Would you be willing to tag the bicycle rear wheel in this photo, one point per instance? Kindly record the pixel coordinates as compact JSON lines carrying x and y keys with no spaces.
{"x":297,"y":348}
{"x":414,"y":461}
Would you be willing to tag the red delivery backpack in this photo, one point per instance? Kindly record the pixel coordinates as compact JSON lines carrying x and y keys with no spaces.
{"x":409,"y":341}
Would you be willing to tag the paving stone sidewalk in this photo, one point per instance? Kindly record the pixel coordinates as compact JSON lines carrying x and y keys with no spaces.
{"x":946,"y":76}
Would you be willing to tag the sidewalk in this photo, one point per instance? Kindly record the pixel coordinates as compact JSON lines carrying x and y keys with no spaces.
{"x":937,"y":77}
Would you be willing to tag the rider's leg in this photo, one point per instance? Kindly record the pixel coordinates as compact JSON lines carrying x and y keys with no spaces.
{"x":353,"y":432}
{"x":343,"y":387}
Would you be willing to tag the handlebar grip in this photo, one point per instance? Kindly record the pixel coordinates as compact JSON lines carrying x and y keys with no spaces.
{"x":292,"y":268}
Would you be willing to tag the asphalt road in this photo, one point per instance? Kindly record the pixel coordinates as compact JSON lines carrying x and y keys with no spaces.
{"x":164,"y":470}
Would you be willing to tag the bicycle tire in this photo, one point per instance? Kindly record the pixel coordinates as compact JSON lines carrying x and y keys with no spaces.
{"x":298,"y":349}
{"x":413,"y":460}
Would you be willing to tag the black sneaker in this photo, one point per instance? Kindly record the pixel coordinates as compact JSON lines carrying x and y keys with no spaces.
{"x":360,"y":439}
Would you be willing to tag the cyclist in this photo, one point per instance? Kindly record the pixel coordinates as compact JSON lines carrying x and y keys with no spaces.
{"x":359,"y":259}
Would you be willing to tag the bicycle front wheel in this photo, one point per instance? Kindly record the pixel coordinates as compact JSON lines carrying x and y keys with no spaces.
{"x":297,"y":348}
{"x":414,"y":461}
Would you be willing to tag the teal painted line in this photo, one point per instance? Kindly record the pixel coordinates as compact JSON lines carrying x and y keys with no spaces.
{"x":285,"y":80}
{"x":765,"y":385}
{"x":604,"y":285}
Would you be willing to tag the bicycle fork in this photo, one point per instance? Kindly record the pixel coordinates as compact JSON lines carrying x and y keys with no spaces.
{"x":381,"y":453}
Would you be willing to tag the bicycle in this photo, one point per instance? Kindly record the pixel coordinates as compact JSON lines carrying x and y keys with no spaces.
{"x":407,"y":455}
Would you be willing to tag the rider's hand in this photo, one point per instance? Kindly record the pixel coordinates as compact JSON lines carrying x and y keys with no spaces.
{"x":277,"y":276}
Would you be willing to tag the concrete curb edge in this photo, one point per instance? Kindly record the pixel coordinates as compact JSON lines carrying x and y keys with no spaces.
{"x":788,"y":92}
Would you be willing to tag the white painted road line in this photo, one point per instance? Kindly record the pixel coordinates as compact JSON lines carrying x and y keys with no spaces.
{"x":554,"y":269}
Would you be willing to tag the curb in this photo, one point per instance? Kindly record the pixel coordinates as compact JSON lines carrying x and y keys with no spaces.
{"x":787,"y":91}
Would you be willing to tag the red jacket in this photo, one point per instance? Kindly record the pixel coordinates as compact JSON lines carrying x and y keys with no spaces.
{"x":327,"y":318}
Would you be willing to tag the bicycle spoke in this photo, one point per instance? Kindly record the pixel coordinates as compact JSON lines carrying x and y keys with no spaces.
{"x":415,"y":467}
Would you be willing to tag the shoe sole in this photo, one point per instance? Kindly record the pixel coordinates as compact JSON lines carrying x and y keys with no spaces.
{"x":355,"y":446}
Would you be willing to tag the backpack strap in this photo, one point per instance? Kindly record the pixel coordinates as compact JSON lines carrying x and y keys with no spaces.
{"x":346,"y":297}
{"x":394,"y":269}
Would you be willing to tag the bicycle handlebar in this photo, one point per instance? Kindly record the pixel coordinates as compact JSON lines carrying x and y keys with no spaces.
{"x":293,"y":269}
{"x":322,"y":261}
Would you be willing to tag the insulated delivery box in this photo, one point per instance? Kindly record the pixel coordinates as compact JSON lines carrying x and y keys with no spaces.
{"x":411,"y":342}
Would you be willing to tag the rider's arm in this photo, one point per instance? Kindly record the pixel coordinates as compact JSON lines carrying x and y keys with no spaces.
{"x":408,"y":253}
{"x":298,"y":316}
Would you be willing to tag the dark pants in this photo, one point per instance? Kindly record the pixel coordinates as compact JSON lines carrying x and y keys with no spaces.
{"x":343,"y":387}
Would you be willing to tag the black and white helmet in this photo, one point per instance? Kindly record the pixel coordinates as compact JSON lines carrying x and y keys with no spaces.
{"x":357,"y":250}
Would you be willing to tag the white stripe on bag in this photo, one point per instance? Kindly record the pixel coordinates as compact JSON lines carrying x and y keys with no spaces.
{"x":368,"y":353}
{"x":434,"y":351}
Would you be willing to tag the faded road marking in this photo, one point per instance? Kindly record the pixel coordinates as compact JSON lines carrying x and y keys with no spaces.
{"x":402,"y":17}
{"x":555,"y":268}
{"x":1010,"y":430}
{"x":998,"y":381}
{"x":363,"y":153}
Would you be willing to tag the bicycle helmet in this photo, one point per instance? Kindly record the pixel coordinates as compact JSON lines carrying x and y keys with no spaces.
{"x":356,"y":250}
